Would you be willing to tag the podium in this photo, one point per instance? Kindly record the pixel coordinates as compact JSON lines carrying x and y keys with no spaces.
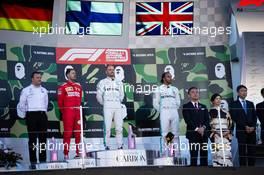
{"x":79,"y":163}
{"x":126,"y":157}
{"x":135,"y":157}
{"x":52,"y":165}
{"x":68,"y":164}
{"x":116,"y":158}
{"x":170,"y":161}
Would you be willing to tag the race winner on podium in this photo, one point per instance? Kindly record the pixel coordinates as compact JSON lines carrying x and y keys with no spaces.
{"x":166,"y":101}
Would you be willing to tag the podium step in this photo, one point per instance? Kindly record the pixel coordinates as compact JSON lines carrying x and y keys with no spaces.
{"x":135,"y":157}
{"x":116,"y":158}
{"x":126,"y":157}
{"x":171,"y":161}
{"x":79,"y":163}
{"x":52,"y":165}
{"x":69,"y":164}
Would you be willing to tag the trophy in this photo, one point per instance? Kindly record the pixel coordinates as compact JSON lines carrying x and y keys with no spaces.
{"x":53,"y":151}
{"x":131,"y":138}
{"x":169,"y":148}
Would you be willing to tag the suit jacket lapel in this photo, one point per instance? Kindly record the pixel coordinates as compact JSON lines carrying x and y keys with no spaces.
{"x":240,"y":105}
{"x":191,"y":105}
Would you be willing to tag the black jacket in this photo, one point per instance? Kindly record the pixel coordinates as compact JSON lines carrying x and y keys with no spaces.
{"x":195,"y":118}
{"x":239,"y":116}
{"x":260,"y":112}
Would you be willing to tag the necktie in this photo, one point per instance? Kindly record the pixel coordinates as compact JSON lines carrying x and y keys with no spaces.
{"x":195,"y":105}
{"x":244,"y":106}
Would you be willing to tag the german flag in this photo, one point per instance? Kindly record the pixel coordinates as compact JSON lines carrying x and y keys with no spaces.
{"x":26,"y":15}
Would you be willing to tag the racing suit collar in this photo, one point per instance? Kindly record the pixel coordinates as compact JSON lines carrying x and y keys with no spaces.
{"x":111,"y":79}
{"x":33,"y":86}
{"x":71,"y":82}
{"x":167,"y":86}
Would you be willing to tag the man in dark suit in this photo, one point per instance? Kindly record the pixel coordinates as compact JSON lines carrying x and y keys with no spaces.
{"x":260,"y":114}
{"x":244,"y":115}
{"x":196,"y":117}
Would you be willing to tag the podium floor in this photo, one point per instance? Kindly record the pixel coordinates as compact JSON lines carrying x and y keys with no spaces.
{"x":149,"y":170}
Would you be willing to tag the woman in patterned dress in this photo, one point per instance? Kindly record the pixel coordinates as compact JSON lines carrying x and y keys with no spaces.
{"x":220,"y":133}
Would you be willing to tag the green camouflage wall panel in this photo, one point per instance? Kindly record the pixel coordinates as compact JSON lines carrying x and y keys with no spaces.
{"x":192,"y":67}
{"x":3,"y":70}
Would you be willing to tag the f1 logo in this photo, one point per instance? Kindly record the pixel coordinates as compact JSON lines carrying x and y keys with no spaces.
{"x":244,"y":3}
{"x":92,"y":56}
{"x":89,"y":54}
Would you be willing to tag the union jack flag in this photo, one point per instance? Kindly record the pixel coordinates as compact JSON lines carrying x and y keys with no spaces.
{"x":164,"y":18}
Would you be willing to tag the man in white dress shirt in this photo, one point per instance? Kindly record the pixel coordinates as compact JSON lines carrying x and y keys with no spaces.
{"x":32,"y":106}
{"x":110,"y":94}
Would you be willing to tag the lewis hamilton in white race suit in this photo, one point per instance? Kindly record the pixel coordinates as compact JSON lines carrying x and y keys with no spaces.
{"x":110,"y":94}
{"x":166,"y":101}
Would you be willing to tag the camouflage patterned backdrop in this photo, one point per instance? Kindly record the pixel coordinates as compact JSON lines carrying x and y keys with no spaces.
{"x":208,"y":68}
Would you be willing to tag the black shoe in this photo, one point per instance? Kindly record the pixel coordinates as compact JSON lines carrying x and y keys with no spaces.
{"x":32,"y":166}
{"x":66,"y":157}
{"x":77,"y":157}
{"x":107,"y":148}
{"x":121,"y":147}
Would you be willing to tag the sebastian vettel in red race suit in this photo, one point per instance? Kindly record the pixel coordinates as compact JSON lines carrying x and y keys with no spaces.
{"x":69,"y":101}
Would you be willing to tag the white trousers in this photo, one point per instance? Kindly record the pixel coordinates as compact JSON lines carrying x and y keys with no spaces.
{"x":169,"y":122}
{"x":113,"y":113}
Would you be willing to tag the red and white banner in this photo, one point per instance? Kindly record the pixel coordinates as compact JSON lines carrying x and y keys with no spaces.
{"x":92,"y":56}
{"x":243,"y":3}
